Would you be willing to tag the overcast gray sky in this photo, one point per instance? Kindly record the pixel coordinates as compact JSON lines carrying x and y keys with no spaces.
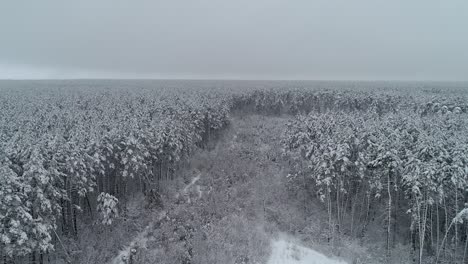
{"x":237,"y":39}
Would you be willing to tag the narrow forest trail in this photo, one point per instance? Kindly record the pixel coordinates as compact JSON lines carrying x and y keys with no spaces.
{"x":231,"y":207}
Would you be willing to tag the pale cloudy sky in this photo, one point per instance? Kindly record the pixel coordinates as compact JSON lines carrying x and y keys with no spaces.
{"x":237,"y":39}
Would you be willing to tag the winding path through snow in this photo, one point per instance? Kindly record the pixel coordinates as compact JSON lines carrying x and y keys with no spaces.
{"x":288,"y":252}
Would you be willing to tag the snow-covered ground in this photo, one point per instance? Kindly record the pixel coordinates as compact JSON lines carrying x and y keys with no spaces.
{"x":288,"y":252}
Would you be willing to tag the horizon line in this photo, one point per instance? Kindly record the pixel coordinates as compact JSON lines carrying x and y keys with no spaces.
{"x":231,"y":79}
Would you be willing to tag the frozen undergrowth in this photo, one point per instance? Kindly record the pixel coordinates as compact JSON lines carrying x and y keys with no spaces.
{"x":139,"y":242}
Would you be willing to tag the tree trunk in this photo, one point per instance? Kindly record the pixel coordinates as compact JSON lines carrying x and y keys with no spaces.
{"x":75,"y":226}
{"x":438,"y":225}
{"x":447,"y":226}
{"x":304,"y":196}
{"x":389,"y":217}
{"x":466,"y":245}
{"x":395,"y":215}
{"x":456,"y":222}
{"x":89,"y":205}
{"x":422,"y":232}
{"x":338,"y":212}
{"x":330,"y":225}
{"x":353,"y":209}
{"x":64,"y":217}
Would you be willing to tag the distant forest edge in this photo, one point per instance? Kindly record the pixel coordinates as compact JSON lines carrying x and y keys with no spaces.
{"x":76,"y":150}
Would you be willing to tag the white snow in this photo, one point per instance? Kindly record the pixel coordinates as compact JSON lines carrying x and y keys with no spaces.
{"x":288,"y":252}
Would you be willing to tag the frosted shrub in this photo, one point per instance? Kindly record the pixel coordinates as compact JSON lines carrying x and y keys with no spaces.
{"x":107,"y":208}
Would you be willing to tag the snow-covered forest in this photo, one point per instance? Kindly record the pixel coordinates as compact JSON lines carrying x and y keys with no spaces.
{"x":213,"y":171}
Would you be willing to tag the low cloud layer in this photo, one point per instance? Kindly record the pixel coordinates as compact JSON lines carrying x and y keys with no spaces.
{"x":256,"y":39}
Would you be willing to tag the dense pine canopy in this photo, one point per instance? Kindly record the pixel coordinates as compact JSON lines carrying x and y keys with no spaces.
{"x":66,"y":152}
